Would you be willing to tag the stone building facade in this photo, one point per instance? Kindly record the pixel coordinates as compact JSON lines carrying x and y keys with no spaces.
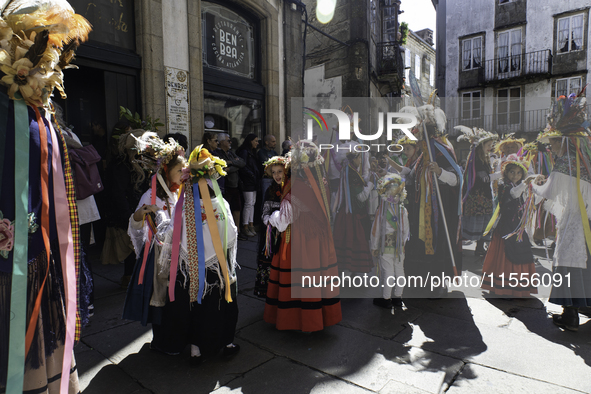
{"x":505,"y":60}
{"x":419,"y":59}
{"x":152,"y":57}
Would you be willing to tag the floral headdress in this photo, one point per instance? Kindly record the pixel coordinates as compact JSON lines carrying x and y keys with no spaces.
{"x":37,"y":43}
{"x":406,"y":141}
{"x":475,"y":136}
{"x":154,"y":153}
{"x":277,"y":161}
{"x":567,"y":118}
{"x":391,"y":188}
{"x":516,"y":160}
{"x":204,"y":164}
{"x":509,"y":139}
{"x":305,"y":154}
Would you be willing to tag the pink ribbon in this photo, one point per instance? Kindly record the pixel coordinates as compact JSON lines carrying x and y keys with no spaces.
{"x":64,"y":231}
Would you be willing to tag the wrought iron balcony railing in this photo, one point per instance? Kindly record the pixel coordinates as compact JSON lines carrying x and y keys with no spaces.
{"x":522,"y":122}
{"x":389,"y":59}
{"x":525,"y":64}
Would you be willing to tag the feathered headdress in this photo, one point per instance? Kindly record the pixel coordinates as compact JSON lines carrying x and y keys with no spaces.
{"x":37,"y":41}
{"x":509,"y":139}
{"x":434,"y":118}
{"x":567,"y":118}
{"x":305,"y":153}
{"x":277,"y":161}
{"x":475,"y":136}
{"x":154,"y":152}
{"x":391,"y":188}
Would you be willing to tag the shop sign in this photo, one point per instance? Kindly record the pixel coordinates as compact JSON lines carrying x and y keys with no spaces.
{"x":177,"y":101}
{"x":227,"y":42}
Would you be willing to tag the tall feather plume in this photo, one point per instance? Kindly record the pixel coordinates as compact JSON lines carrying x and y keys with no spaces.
{"x":37,"y":50}
{"x":68,"y":54}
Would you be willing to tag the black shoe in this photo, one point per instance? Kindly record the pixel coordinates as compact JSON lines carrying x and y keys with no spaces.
{"x":569,"y":320}
{"x":229,"y":351}
{"x":382,"y":302}
{"x":397,"y":302}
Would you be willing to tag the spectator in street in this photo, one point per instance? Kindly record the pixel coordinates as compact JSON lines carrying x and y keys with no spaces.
{"x":231,"y":190}
{"x":285,"y":147}
{"x":251,"y":178}
{"x":264,"y":154}
{"x":210,"y":141}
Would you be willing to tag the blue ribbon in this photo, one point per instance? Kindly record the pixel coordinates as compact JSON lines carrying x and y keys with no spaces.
{"x":455,"y":166}
{"x":347,"y":190}
{"x":200,"y":243}
{"x":18,"y":297}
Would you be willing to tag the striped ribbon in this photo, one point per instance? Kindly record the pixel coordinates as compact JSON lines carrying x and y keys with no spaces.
{"x":18,"y":295}
{"x":584,"y":216}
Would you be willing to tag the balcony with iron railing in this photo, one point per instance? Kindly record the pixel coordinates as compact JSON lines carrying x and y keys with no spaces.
{"x":532,"y":121}
{"x":538,"y":63}
{"x":389,"y":60}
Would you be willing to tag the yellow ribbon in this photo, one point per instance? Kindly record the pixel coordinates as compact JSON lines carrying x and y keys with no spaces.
{"x":215,"y":235}
{"x":584,"y":217}
{"x":493,"y":219}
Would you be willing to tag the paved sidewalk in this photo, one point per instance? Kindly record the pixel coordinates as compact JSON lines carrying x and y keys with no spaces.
{"x":463,"y":344}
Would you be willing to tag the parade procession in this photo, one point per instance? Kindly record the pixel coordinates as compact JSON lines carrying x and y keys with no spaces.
{"x":295,"y":196}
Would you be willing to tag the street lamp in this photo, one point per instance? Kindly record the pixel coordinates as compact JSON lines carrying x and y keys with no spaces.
{"x":325,"y":10}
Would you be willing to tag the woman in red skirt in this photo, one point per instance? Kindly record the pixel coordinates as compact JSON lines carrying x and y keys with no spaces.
{"x":306,"y":254}
{"x":510,"y":258}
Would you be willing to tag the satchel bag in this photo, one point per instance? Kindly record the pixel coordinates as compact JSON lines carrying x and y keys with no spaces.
{"x":87,"y":179}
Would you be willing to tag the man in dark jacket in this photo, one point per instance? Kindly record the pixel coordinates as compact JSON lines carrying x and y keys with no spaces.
{"x":231,"y":190}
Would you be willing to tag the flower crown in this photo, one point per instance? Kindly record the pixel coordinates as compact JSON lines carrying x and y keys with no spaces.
{"x":154,"y":153}
{"x":277,"y":161}
{"x":475,"y":136}
{"x":510,"y":139}
{"x":204,"y":164}
{"x":406,"y":141}
{"x":567,"y":118}
{"x":391,"y":188}
{"x":515,"y":160}
{"x":305,"y":154}
{"x":37,"y":43}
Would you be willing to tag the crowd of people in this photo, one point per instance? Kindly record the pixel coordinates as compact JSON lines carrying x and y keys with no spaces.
{"x":174,"y":216}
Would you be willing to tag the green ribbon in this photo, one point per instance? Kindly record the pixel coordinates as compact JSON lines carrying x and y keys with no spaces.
{"x":18,"y":296}
{"x":218,"y":195}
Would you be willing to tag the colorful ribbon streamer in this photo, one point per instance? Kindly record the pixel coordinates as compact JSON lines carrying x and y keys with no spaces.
{"x":149,"y":243}
{"x":176,"y":242}
{"x":200,"y":242}
{"x":18,"y":295}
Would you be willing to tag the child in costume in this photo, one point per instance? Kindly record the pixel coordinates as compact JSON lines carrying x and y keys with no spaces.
{"x":306,"y":249}
{"x":507,"y":253}
{"x":276,"y":168}
{"x":478,"y":199}
{"x":390,"y":232}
